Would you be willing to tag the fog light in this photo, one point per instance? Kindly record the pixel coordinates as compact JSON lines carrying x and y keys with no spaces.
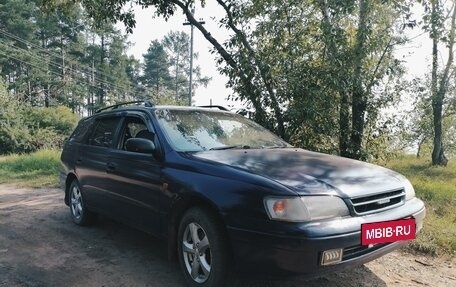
{"x":332,"y":256}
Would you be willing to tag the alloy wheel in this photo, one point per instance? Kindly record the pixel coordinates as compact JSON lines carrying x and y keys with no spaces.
{"x":197,"y":252}
{"x":76,"y":202}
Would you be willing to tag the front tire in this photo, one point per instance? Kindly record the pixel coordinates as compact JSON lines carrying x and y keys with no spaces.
{"x":79,"y":212}
{"x":203,"y":250}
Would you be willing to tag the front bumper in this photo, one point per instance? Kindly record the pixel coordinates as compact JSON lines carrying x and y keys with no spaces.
{"x":259,"y":254}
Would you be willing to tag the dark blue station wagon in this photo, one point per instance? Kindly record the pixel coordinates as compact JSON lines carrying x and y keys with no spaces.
{"x":227,"y":195}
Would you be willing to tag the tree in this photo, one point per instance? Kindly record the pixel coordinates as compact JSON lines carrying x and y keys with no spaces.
{"x":13,"y":138}
{"x":156,"y":68}
{"x":59,"y":57}
{"x":166,"y":8}
{"x":439,"y":83}
{"x":16,"y":20}
{"x":121,"y":67}
{"x":419,"y":131}
{"x":364,"y":66}
{"x":323,"y":58}
{"x":177,"y":47}
{"x":304,"y":67}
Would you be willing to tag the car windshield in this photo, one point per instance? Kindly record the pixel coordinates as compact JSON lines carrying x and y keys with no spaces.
{"x":200,"y":130}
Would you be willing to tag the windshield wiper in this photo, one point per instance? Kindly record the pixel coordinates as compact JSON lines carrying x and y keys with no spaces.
{"x":230,"y":147}
{"x":277,"y":146}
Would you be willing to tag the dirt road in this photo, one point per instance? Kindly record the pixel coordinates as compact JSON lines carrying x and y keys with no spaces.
{"x":40,"y":246}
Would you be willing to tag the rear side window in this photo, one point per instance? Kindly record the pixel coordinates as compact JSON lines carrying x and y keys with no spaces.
{"x":81,"y":131}
{"x":104,"y":132}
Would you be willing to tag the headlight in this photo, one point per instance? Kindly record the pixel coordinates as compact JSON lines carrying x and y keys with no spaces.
{"x":409,"y":190}
{"x":408,"y":187}
{"x":305,"y":208}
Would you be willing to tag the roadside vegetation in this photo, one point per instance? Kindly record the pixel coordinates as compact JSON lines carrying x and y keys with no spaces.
{"x":31,"y":170}
{"x":25,"y":129}
{"x":436,"y":186}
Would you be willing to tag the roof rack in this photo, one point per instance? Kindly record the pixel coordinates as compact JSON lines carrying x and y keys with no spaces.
{"x":215,"y":106}
{"x":147,"y":103}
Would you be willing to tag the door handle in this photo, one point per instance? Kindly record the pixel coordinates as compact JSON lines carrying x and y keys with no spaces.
{"x":78,"y":161}
{"x":110,"y":166}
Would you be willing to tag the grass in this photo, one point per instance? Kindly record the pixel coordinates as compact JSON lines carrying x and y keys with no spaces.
{"x":436,"y":186}
{"x":31,"y":170}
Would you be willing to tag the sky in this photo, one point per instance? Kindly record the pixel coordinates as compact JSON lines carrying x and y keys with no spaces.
{"x":149,"y":28}
{"x":416,"y":54}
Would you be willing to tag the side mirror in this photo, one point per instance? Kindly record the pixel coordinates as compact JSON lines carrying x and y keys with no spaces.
{"x":140,"y":145}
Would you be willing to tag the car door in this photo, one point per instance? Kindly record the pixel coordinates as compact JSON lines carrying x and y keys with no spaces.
{"x":136,"y":177}
{"x":91,"y":165}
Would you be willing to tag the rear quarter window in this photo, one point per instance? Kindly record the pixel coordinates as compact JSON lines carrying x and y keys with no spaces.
{"x":104,"y":132}
{"x":81,"y":131}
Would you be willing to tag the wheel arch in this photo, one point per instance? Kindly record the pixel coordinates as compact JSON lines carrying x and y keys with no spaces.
{"x":69,"y":179}
{"x":180,"y":207}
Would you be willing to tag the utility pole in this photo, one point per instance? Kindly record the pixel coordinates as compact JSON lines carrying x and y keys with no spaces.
{"x":190,"y":85}
{"x":92,"y":80}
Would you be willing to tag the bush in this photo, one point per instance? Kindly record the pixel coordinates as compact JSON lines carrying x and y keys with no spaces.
{"x":14,"y":136}
{"x":26,"y":129}
{"x":47,"y":138}
{"x":60,"y":119}
{"x":49,"y":126}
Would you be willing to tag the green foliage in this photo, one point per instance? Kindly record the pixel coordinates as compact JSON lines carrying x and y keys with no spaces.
{"x":25,"y":129}
{"x":49,"y":126}
{"x":167,"y":69}
{"x":437,"y":187}
{"x":63,"y":57}
{"x":177,"y":47}
{"x":60,"y":119}
{"x":441,"y":29}
{"x":167,"y":98}
{"x":156,"y":67}
{"x":318,"y":73}
{"x":330,"y":64}
{"x":13,"y":138}
{"x":419,"y":130}
{"x":35,"y":170}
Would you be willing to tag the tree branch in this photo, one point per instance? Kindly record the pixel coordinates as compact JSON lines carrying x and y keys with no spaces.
{"x":261,"y":69}
{"x":223,"y":53}
{"x":379,"y":62}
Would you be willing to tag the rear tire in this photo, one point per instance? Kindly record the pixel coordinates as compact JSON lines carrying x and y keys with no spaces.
{"x":203,"y":250}
{"x":79,"y":212}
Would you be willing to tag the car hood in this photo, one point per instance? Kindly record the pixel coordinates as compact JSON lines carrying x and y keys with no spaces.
{"x":307,"y":172}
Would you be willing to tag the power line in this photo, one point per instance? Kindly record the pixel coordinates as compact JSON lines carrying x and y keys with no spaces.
{"x":72,"y":70}
{"x":122,"y":88}
{"x":81,"y":81}
{"x":87,"y":70}
{"x":38,"y":67}
{"x":52,"y":53}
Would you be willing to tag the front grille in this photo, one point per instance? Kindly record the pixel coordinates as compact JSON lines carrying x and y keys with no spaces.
{"x":378,"y":202}
{"x":359,"y":250}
